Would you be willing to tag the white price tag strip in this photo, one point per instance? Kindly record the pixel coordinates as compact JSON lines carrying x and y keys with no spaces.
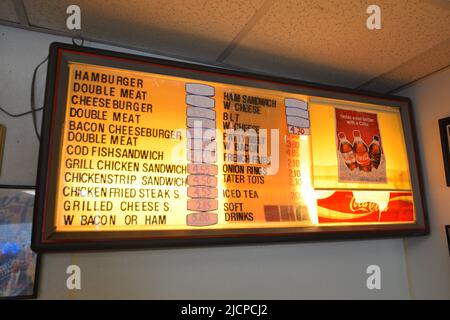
{"x":200,"y":101}
{"x":200,"y":144}
{"x":197,"y":112}
{"x":297,"y":122}
{"x":296,"y":112}
{"x":200,"y":89}
{"x":201,"y":156}
{"x":201,"y":123}
{"x":295,"y":103}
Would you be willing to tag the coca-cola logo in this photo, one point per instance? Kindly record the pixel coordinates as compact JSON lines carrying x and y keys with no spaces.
{"x":348,"y":156}
{"x":366,"y":207}
{"x":362,"y":157}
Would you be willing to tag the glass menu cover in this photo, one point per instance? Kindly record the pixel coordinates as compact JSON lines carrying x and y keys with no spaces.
{"x":162,"y":153}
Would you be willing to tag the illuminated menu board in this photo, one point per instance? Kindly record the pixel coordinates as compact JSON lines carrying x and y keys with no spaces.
{"x":139,"y":152}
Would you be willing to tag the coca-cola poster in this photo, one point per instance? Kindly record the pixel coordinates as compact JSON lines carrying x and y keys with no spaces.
{"x":359,"y":147}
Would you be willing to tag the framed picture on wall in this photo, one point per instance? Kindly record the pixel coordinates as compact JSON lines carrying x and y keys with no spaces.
{"x":18,"y":263}
{"x":444,"y":125}
{"x":447,"y":231}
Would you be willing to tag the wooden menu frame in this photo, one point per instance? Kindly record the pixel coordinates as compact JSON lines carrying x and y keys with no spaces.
{"x":44,"y":237}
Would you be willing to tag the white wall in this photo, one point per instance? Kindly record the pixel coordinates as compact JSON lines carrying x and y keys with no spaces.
{"x":428,"y":258}
{"x":288,"y":271}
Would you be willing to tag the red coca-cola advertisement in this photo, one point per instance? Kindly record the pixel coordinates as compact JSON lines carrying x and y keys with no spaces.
{"x":359,"y":148}
{"x":364,"y":206}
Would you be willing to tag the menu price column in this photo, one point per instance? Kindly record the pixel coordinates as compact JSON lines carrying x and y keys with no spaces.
{"x":201,"y":155}
{"x":297,"y":119}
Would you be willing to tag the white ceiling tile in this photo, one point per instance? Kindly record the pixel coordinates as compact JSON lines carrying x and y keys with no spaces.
{"x":437,"y":58}
{"x":323,"y":41}
{"x":328,"y":41}
{"x":194,"y":28}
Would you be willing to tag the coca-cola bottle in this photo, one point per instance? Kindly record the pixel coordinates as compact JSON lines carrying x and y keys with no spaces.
{"x":375,"y":152}
{"x":346,"y":149}
{"x":361,"y":152}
